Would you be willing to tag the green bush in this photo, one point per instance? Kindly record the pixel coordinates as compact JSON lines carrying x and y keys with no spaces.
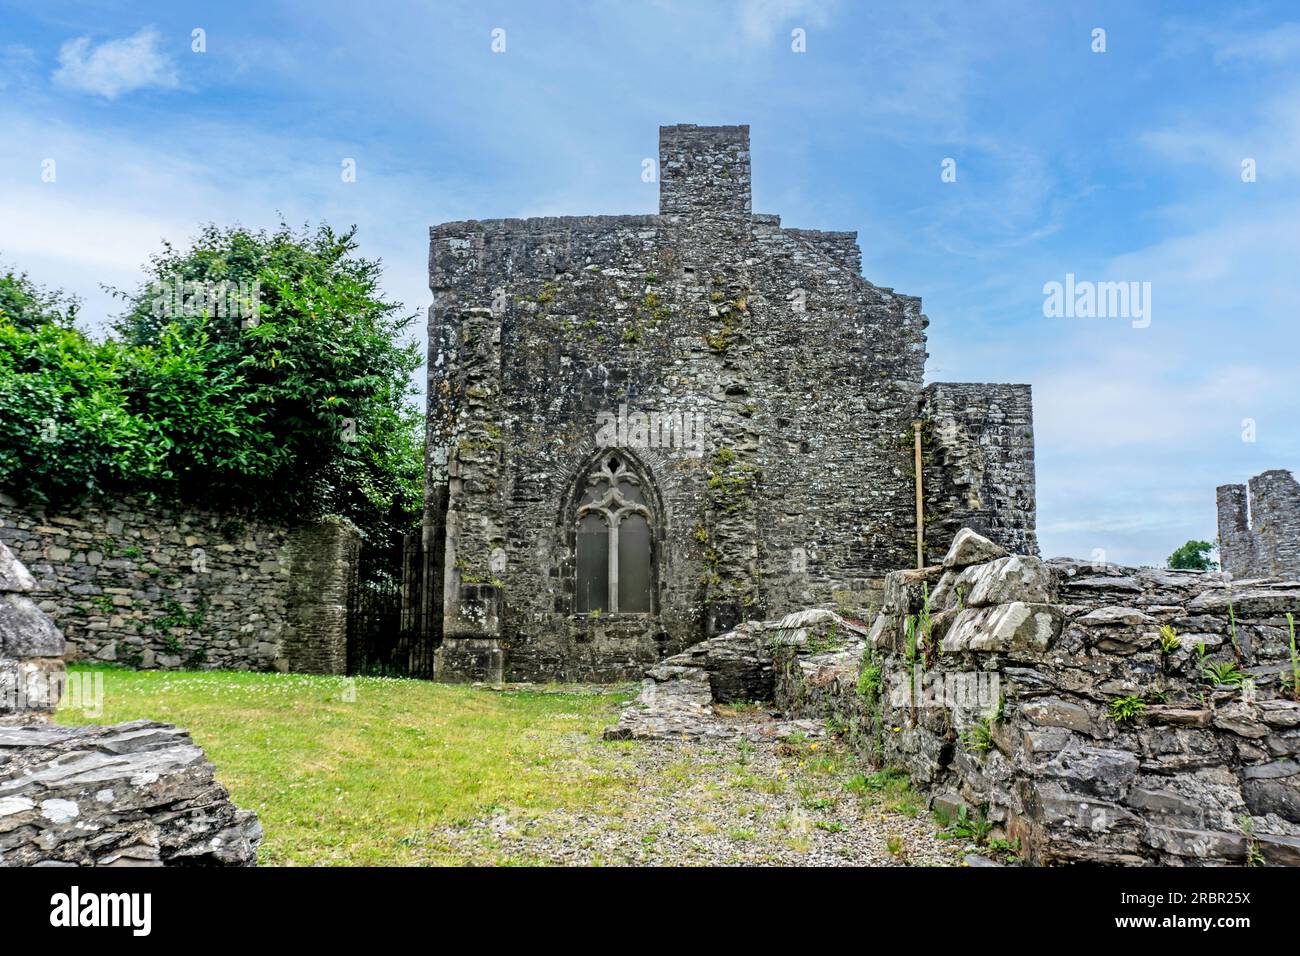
{"x":301,"y":409}
{"x":26,"y":305}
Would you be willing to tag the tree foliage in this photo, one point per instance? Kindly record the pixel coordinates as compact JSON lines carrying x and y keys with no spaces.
{"x":1193,"y":556}
{"x":27,"y":306}
{"x":298,"y":405}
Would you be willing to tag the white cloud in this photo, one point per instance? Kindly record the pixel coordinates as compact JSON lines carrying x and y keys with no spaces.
{"x":115,"y":67}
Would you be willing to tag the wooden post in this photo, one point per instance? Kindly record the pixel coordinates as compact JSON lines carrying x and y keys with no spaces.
{"x":920,"y":506}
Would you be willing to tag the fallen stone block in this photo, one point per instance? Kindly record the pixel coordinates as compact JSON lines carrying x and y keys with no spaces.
{"x":139,"y":793}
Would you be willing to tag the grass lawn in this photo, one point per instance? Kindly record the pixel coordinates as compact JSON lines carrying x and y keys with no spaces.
{"x":358,"y":771}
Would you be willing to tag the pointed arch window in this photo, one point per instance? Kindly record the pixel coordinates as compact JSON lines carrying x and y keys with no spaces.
{"x":614,"y":541}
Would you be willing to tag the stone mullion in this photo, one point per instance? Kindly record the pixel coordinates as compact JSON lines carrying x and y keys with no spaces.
{"x":612,"y":521}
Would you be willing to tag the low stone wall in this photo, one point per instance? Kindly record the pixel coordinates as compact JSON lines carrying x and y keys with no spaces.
{"x":1081,"y":713}
{"x":152,"y":586}
{"x":1039,"y":696}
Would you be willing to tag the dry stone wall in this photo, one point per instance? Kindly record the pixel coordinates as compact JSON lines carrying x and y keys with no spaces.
{"x":152,"y":586}
{"x":1082,"y":713}
{"x":1040,"y":695}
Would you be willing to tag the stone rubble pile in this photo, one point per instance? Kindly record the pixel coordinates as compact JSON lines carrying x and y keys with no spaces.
{"x":689,"y":696}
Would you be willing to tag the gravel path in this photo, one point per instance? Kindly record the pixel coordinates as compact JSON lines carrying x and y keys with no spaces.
{"x":739,"y":802}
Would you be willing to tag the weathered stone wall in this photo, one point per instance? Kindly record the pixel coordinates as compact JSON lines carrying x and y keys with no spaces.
{"x":1045,"y":704}
{"x":1262,"y":538}
{"x":1019,"y":680}
{"x":153,"y":586}
{"x":804,"y":377}
{"x":978,"y":465}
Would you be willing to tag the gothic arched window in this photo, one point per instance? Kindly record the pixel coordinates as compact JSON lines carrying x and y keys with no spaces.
{"x":614,"y":563}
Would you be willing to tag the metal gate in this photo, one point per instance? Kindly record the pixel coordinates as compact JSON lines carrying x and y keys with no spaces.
{"x":388,"y":633}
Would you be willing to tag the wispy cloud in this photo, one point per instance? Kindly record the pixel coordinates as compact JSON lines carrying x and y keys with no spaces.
{"x":1277,"y":45}
{"x":17,"y":64}
{"x":115,"y":67}
{"x":762,"y":20}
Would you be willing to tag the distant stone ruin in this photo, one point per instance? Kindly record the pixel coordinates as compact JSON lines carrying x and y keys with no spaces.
{"x":1259,"y":532}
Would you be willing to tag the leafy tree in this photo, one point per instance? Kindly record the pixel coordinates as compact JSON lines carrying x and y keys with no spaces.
{"x":1193,"y":556}
{"x":26,"y":305}
{"x":288,"y":389}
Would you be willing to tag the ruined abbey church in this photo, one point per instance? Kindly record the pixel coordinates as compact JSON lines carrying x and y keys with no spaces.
{"x":645,"y":429}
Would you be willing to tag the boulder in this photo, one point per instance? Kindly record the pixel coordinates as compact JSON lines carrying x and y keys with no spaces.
{"x":25,"y":630}
{"x":13,"y":576}
{"x":31,"y":648}
{"x":970,"y":548}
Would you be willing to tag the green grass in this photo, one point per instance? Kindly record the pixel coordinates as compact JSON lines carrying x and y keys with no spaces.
{"x":364,"y":781}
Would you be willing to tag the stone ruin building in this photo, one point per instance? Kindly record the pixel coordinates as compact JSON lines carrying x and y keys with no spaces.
{"x":1259,"y":530}
{"x":645,"y":429}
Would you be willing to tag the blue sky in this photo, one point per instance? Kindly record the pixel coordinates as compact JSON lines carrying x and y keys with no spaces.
{"x":1124,"y":165}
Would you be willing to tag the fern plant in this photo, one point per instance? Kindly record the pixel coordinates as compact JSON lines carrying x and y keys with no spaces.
{"x":1232,"y":622}
{"x":1169,"y":640}
{"x":1124,"y":710}
{"x":977,"y":737}
{"x":1228,"y":674}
